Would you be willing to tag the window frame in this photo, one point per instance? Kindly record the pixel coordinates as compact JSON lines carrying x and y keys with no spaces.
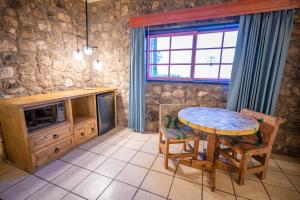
{"x":193,"y":63}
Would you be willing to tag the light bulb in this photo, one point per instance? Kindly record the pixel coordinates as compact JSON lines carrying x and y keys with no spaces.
{"x":78,"y":55}
{"x":88,"y":50}
{"x":97,"y":64}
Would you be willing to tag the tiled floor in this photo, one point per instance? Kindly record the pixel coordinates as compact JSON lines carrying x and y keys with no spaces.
{"x":125,"y":165}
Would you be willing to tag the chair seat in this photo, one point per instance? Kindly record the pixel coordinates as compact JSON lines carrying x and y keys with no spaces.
{"x":171,"y":133}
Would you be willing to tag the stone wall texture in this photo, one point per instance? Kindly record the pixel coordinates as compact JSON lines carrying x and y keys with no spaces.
{"x":37,"y":40}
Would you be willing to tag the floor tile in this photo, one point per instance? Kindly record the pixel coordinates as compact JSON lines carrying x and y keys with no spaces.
{"x":157,"y":183}
{"x":223,"y":181}
{"x":91,"y":145}
{"x":70,"y":178}
{"x":91,"y":161}
{"x":273,"y":166}
{"x":74,"y":156}
{"x":295,"y":180}
{"x":143,"y":195}
{"x":134,"y":144}
{"x":216,"y":195}
{"x":132,"y":175}
{"x":143,"y":159}
{"x":189,"y":173}
{"x":106,"y":149}
{"x":154,"y":138}
{"x":23,"y":189}
{"x":92,"y":186}
{"x":71,"y":196}
{"x":11,"y":177}
{"x":288,"y":164}
{"x":4,"y":167}
{"x":110,"y":167}
{"x":117,"y":190}
{"x":143,"y":137}
{"x":158,"y":165}
{"x":150,"y":148}
{"x":48,"y":192}
{"x":124,"y":154}
{"x":182,"y":189}
{"x":52,"y":170}
{"x":251,"y":190}
{"x":278,"y":179}
{"x":125,"y":132}
{"x":278,"y":193}
{"x":117,"y":140}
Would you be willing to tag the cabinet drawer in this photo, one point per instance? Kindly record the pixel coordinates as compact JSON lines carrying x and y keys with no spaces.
{"x":53,"y":151}
{"x":85,"y":131}
{"x":44,"y":138}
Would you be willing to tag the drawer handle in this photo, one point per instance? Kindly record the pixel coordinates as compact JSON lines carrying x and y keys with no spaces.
{"x":55,"y":136}
{"x":56,"y":150}
{"x":82,"y":134}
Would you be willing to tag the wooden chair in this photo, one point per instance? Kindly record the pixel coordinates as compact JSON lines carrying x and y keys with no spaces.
{"x":169,"y":136}
{"x":246,"y":148}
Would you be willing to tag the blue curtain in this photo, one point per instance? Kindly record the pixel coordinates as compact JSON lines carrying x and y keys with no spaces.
{"x":259,"y":61}
{"x":136,"y":110}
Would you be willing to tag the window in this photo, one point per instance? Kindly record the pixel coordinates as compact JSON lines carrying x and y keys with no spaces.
{"x":191,"y":56}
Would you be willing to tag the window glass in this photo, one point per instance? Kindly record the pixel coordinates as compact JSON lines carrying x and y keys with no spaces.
{"x":159,"y":57}
{"x":208,"y":56}
{"x":228,"y":55}
{"x":158,"y":70}
{"x":230,"y":38}
{"x":181,"y":56}
{"x":209,"y":40}
{"x":225,"y":71}
{"x":206,"y":71}
{"x":182,"y":42}
{"x":159,"y":43}
{"x":180,"y":71}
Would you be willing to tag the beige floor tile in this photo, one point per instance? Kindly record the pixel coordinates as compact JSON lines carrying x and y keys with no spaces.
{"x":91,"y":161}
{"x":223,"y":181}
{"x":182,"y":189}
{"x":143,"y":137}
{"x":216,"y":195}
{"x":158,"y":165}
{"x":251,"y":190}
{"x":70,"y":178}
{"x":240,"y":198}
{"x":143,"y":195}
{"x":91,"y":145}
{"x":189,"y":173}
{"x":117,"y":140}
{"x":154,"y":138}
{"x":52,"y":170}
{"x":132,"y":175}
{"x":273,"y":166}
{"x":48,"y":192}
{"x":157,"y":183}
{"x":278,"y":179}
{"x":106,"y":149}
{"x":125,"y":132}
{"x":124,"y":154}
{"x":110,"y":167}
{"x":278,"y":193}
{"x":117,"y":190}
{"x":74,"y":156}
{"x":150,"y":148}
{"x":92,"y":186}
{"x":71,"y":196}
{"x":288,"y":164}
{"x":23,"y":189}
{"x":295,"y":180}
{"x":134,"y":144}
{"x":143,"y":159}
{"x":11,"y":177}
{"x":4,"y":167}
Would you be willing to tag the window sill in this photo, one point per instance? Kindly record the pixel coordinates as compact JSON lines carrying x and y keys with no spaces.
{"x":194,"y":82}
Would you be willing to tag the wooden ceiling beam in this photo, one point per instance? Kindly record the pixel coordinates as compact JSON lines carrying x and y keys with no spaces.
{"x":230,"y":9}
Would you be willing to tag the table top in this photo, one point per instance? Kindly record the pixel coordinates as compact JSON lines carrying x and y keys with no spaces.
{"x":218,"y":121}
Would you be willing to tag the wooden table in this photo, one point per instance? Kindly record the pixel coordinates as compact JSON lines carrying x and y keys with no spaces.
{"x":215,"y":121}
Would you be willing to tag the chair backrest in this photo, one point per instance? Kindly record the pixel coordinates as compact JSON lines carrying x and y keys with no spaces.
{"x":170,"y":109}
{"x":269,"y":126}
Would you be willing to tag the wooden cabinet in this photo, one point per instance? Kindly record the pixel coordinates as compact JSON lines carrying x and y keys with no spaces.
{"x":29,"y":150}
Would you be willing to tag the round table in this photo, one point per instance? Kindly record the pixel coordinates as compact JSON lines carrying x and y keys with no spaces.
{"x":216,"y":121}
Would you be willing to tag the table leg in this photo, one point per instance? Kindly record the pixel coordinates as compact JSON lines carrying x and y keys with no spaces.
{"x":210,"y":157}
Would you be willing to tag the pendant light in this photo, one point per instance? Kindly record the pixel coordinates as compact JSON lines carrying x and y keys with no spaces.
{"x":87,"y":49}
{"x":77,"y":54}
{"x":97,"y":63}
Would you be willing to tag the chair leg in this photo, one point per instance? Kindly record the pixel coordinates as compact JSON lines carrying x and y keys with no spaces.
{"x":213,"y":178}
{"x":166,"y":155}
{"x":160,"y":141}
{"x":243,"y":169}
{"x":196,"y":149}
{"x":184,"y":146}
{"x":262,"y":175}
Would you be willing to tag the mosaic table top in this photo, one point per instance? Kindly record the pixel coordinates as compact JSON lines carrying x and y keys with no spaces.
{"x":218,"y":121}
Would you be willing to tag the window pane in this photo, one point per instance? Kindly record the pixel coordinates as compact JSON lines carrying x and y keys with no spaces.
{"x":159,"y":57}
{"x":209,"y":40}
{"x":181,"y":56}
{"x":206,"y":71}
{"x":182,"y":42}
{"x":180,"y":71}
{"x":230,"y":39}
{"x":228,"y":55}
{"x":225,"y":71}
{"x":159,"y":43}
{"x":208,"y":56}
{"x":158,"y":71}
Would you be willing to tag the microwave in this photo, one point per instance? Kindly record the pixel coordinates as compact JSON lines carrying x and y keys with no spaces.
{"x":44,"y":116}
